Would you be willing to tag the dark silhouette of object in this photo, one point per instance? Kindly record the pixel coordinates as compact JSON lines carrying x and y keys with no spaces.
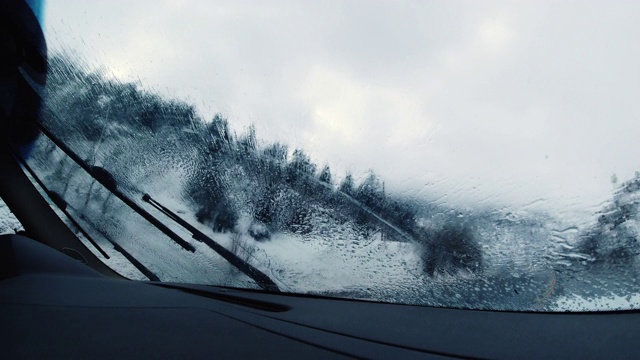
{"x":219,"y":216}
{"x":259,"y":231}
{"x":58,"y":200}
{"x":299,"y":167}
{"x":105,"y":178}
{"x":325,"y":175}
{"x":450,"y":250}
{"x":348,"y":185}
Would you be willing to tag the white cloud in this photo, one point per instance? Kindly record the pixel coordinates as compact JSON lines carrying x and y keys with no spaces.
{"x":496,"y":34}
{"x":513,"y":101}
{"x":356,"y":124}
{"x":349,"y":109}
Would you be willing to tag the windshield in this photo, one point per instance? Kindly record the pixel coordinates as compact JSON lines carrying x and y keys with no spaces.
{"x":457,"y":154}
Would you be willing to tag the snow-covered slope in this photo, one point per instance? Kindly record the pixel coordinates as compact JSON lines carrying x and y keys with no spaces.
{"x":8,"y":222}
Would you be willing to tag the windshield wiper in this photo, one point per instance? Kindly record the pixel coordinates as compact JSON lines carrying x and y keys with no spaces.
{"x":99,"y":175}
{"x":110,"y":185}
{"x":63,"y":206}
{"x":258,"y":276}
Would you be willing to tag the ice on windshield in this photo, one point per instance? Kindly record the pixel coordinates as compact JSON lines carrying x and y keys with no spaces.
{"x":365,"y":195}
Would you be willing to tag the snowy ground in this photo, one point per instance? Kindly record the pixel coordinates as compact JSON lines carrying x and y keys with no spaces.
{"x":366,"y":268}
{"x":8,"y":222}
{"x":338,"y":263}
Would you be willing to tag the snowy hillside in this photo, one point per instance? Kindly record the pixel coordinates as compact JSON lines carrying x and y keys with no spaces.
{"x":277,"y":210}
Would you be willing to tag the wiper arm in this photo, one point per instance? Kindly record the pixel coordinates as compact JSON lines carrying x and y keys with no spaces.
{"x":109,"y":185}
{"x":63,"y":206}
{"x":99,"y":175}
{"x":258,"y":276}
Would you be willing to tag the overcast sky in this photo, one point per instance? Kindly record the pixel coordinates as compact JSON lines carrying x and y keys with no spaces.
{"x":470,"y":102}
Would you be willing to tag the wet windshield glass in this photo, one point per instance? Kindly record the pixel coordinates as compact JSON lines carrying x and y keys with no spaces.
{"x":474,"y":155}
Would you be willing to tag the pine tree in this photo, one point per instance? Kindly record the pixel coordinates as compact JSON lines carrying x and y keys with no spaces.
{"x":300,"y":166}
{"x":325,"y":175}
{"x":220,"y":136}
{"x":277,"y":151}
{"x":347,"y":185}
{"x":371,"y":191}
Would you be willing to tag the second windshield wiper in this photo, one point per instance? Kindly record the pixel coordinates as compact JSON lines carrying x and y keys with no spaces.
{"x":258,"y":276}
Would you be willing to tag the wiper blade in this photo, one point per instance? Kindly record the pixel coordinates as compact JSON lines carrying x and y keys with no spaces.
{"x":91,"y":170}
{"x":63,"y":206}
{"x":137,"y":264}
{"x":109,"y":185}
{"x":258,"y":276}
